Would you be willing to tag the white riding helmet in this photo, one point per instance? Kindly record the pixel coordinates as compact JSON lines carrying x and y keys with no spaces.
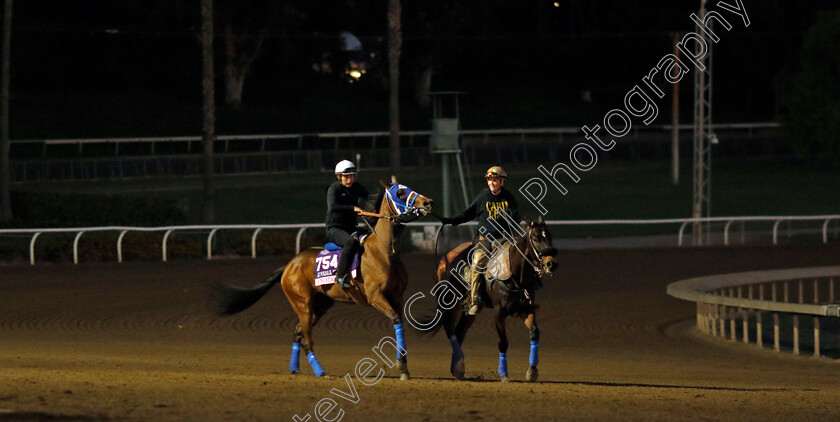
{"x":345,"y":167}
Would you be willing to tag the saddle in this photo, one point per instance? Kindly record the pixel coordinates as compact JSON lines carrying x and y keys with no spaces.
{"x":498,"y":266}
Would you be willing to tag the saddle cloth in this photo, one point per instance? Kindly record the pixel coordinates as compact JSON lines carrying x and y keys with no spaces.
{"x":326,"y":264}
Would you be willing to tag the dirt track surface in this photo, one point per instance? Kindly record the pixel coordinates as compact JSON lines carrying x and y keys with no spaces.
{"x":137,"y":341}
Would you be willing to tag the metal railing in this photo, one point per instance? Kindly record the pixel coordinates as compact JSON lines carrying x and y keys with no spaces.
{"x":722,"y":300}
{"x":121,"y":158}
{"x":212,"y":230}
{"x":338,"y":137}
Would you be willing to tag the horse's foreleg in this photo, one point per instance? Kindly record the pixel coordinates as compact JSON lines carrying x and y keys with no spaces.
{"x":503,"y":343}
{"x":383,"y":305}
{"x":533,"y":357}
{"x":464,"y":325}
{"x":453,"y":324}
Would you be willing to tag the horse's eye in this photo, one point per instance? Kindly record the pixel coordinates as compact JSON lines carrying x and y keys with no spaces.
{"x":401,"y":194}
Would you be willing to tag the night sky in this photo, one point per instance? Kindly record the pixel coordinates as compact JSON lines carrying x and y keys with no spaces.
{"x":91,"y":68}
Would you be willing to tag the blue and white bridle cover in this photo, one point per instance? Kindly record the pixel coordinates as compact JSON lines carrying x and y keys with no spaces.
{"x":402,"y":206}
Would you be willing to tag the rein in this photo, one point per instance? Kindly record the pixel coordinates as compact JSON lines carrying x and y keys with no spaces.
{"x":534,"y":248}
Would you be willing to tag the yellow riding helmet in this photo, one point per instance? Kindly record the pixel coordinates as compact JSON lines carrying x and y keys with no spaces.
{"x":496,"y":172}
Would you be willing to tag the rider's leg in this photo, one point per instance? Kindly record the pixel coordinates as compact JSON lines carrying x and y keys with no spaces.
{"x":349,"y":247}
{"x":477,"y":268}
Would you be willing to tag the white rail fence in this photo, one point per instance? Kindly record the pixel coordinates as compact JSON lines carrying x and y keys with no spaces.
{"x":212,"y":230}
{"x":753,"y":297}
{"x":297,"y":138}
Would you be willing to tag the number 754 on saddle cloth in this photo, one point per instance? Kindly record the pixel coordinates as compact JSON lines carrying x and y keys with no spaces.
{"x":326,"y":265}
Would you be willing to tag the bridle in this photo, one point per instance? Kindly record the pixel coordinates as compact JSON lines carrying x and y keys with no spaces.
{"x":403,"y":206}
{"x":400,"y":199}
{"x":531,"y":246}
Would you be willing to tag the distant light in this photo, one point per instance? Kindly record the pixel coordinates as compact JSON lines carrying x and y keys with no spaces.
{"x":356,"y":74}
{"x":556,"y":4}
{"x":112,"y":31}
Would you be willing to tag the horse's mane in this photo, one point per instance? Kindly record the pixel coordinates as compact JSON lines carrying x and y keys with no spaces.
{"x":372,"y":205}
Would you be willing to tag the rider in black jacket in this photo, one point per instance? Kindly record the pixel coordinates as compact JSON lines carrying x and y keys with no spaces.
{"x":496,"y":211}
{"x":343,"y":198}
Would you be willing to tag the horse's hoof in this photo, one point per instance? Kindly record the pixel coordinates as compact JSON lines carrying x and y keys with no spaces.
{"x":405,"y":376}
{"x":532,"y":374}
{"x":458,"y":369}
{"x":505,"y":378}
{"x":295,"y":372}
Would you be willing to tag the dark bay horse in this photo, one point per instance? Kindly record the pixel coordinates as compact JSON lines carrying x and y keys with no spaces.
{"x":380,"y":283}
{"x":531,"y":257}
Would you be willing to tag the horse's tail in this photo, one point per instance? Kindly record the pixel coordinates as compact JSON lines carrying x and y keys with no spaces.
{"x":232,"y":299}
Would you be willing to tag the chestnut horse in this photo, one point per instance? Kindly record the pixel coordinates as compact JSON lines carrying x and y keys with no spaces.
{"x":531,"y":257}
{"x":380,"y":283}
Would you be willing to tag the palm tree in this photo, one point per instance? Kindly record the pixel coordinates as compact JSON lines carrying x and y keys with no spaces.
{"x":5,"y":172}
{"x":394,"y":47}
{"x":208,"y":133}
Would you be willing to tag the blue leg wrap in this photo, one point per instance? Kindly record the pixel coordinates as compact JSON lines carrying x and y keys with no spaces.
{"x":294,"y":365}
{"x":316,"y":367}
{"x":398,"y":329}
{"x":533,"y":358}
{"x":503,"y":364}
{"x":456,"y":348}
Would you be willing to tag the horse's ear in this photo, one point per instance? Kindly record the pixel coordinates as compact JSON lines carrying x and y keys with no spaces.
{"x":384,"y":184}
{"x":393,"y":178}
{"x":540,"y":220}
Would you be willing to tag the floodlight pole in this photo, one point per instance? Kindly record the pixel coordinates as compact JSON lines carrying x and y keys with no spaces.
{"x":702,"y":135}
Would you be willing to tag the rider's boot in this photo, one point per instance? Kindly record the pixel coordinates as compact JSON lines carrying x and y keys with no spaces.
{"x":343,"y":282}
{"x":475,"y":295}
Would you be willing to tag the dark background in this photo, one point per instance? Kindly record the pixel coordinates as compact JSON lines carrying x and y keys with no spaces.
{"x":97,"y":68}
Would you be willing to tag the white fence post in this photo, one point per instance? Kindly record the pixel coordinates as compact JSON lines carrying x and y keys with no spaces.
{"x":76,"y":247}
{"x":776,"y":231}
{"x":210,"y":243}
{"x":726,"y":232}
{"x":297,"y":239}
{"x":825,"y":230}
{"x":32,"y":248}
{"x":680,"y":236}
{"x":254,"y":243}
{"x":163,"y":245}
{"x":119,"y":245}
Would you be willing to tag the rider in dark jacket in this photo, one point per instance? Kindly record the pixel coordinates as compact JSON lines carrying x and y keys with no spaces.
{"x":343,"y":198}
{"x":496,"y":210}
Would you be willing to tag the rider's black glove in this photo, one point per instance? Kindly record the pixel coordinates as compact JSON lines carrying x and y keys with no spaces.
{"x":447,"y":221}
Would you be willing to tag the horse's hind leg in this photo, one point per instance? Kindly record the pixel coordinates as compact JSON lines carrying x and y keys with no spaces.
{"x":533,"y":358}
{"x":294,"y":364}
{"x":320,"y":305}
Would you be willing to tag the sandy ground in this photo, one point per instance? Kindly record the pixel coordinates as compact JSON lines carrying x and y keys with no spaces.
{"x":137,"y":341}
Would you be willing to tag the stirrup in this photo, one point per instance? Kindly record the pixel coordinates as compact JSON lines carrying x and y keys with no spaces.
{"x":362,"y":238}
{"x":343,"y":282}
